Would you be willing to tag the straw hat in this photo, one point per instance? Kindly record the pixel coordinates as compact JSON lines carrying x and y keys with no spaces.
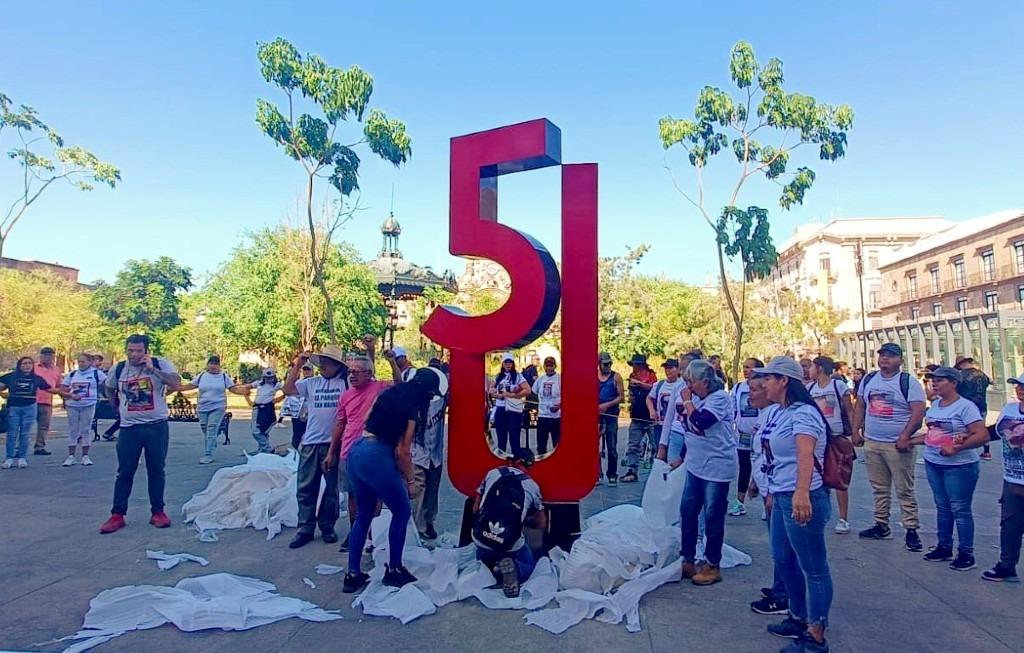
{"x":332,"y":352}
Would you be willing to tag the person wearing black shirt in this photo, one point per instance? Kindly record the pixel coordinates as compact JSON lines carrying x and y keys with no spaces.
{"x":974,"y":386}
{"x":21,"y":386}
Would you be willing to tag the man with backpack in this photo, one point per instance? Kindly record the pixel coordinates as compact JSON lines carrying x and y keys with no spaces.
{"x":973,"y":386}
{"x":889,"y":411}
{"x":507,"y":499}
{"x":141,"y":383}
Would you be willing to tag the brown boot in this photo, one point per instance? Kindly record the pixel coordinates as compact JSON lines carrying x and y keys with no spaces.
{"x":689,"y":570}
{"x":708,"y":575}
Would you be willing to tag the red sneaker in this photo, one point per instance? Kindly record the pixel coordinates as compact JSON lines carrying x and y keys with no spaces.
{"x":160,"y":519}
{"x":115,"y":523}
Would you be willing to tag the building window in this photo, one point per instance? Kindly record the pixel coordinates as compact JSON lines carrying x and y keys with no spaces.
{"x":915,"y":313}
{"x":961,"y":305}
{"x":933,"y":272}
{"x":988,"y":266}
{"x":991,"y":301}
{"x":937,"y":309}
{"x":873,"y":260}
{"x":825,"y":264}
{"x":959,"y":273}
{"x":912,"y":286}
{"x":1018,"y":256}
{"x":1020,"y":296}
{"x":874,"y":299}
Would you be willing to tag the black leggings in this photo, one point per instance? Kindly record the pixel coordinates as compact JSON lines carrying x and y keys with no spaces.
{"x":745,"y":468}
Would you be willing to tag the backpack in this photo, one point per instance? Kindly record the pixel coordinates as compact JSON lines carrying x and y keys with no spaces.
{"x":499,"y":524}
{"x":904,"y":383}
{"x":120,"y":368}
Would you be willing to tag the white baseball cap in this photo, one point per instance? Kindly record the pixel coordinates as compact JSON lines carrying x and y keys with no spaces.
{"x":399,"y":352}
{"x":507,"y":356}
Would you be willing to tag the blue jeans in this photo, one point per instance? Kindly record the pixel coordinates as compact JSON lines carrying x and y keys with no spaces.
{"x":509,"y":428}
{"x":711,"y":498}
{"x":374,"y":475}
{"x":20,"y":420}
{"x":801,"y":558}
{"x":523,"y":557}
{"x":209,"y":423}
{"x":676,"y":446}
{"x":953,"y":489}
{"x":258,"y":434}
{"x":778,"y":587}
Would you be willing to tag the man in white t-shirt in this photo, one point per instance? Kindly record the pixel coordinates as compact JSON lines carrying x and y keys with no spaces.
{"x":321,"y":394}
{"x":548,"y":389}
{"x":889,"y":410}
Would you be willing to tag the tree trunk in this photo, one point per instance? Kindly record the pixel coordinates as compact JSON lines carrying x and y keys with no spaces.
{"x":318,"y":262}
{"x":737,"y":320}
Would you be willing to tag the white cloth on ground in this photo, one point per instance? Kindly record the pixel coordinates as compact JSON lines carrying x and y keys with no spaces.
{"x":167,"y":561}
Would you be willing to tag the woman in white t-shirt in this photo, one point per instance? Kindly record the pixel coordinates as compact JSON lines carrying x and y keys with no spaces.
{"x":834,"y":400}
{"x":1010,"y":429}
{"x":212,"y":383}
{"x":510,"y":391}
{"x":269,"y":391}
{"x":746,"y":424}
{"x":955,"y":430}
{"x":85,"y":385}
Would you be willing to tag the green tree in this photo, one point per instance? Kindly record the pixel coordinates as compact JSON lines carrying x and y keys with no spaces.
{"x":338,"y":95}
{"x":763,"y":110}
{"x":145,"y":296}
{"x":261,"y":300}
{"x":43,"y":157}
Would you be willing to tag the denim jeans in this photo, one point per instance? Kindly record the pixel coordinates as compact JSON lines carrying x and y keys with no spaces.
{"x":609,"y":430}
{"x":509,"y":427}
{"x":260,"y":435}
{"x":801,"y":557}
{"x":20,"y":420}
{"x":778,"y":587}
{"x":151,"y":440}
{"x":374,"y":475}
{"x":638,"y":428}
{"x":523,"y":557}
{"x":953,"y":489}
{"x":676,"y":447}
{"x":209,"y":424}
{"x":711,"y":498}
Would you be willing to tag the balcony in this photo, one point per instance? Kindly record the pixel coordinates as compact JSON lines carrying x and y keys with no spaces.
{"x":972,"y":280}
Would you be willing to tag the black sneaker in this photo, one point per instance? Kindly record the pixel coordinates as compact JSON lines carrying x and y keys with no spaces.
{"x":300,"y":540}
{"x":913,"y":541}
{"x":805,"y":644}
{"x":963,"y":562}
{"x":429,"y":532}
{"x":397,"y":576}
{"x":354,"y":582}
{"x":939,"y":554}
{"x":329,"y":537}
{"x":41,"y":452}
{"x":770,"y":605}
{"x":1001,"y":574}
{"x":613,"y":481}
{"x":876,"y":532}
{"x":767,"y":592}
{"x":790,"y":628}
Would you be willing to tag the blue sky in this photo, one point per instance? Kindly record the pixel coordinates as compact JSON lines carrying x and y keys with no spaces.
{"x":167,"y":91}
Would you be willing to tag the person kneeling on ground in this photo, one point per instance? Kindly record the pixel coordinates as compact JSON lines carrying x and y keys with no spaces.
{"x":507,"y":499}
{"x":380,"y":468}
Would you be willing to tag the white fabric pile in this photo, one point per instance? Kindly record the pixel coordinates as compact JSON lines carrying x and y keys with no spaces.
{"x":260,"y":493}
{"x":165,"y":561}
{"x":622,"y":553}
{"x":223,"y":601}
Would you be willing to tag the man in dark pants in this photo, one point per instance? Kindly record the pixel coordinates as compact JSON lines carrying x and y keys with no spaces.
{"x":141,"y":383}
{"x":610,"y":394}
{"x":974,"y":388}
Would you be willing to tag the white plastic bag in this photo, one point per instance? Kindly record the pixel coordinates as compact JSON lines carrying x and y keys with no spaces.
{"x":663,"y":493}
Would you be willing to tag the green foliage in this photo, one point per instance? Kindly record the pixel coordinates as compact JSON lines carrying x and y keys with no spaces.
{"x":74,"y":165}
{"x":744,"y":234}
{"x":262,"y":300}
{"x":145,"y":296}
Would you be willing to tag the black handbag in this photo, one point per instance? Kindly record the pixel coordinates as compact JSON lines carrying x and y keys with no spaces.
{"x":4,"y":419}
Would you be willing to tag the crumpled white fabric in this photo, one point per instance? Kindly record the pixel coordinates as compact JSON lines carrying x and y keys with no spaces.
{"x":260,"y":493}
{"x":167,"y":561}
{"x":622,"y":554}
{"x":224,"y":601}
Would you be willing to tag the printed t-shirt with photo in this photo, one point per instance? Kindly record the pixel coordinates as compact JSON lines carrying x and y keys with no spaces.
{"x":141,"y":393}
{"x":321,"y":396}
{"x":549,"y":393}
{"x":661,"y":396}
{"x":507,"y":385}
{"x":945,"y":423}
{"x":1010,"y":427}
{"x":758,"y":468}
{"x":829,"y":403}
{"x":779,"y":448}
{"x":22,"y":389}
{"x":746,"y":416}
{"x":886,"y":411}
{"x":85,"y":384}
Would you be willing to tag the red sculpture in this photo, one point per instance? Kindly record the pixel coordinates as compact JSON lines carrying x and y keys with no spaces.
{"x":477,"y":160}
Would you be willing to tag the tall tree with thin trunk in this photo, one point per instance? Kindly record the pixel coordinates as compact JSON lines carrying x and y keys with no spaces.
{"x":762,"y":110}
{"x":44,"y":159}
{"x":339,"y":95}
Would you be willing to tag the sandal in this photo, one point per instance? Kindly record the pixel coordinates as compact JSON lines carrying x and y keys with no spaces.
{"x":509,"y":577}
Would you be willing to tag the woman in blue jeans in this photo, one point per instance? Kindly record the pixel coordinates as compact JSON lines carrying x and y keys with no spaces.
{"x":955,"y":431}
{"x":793,"y":438}
{"x":710,"y":466}
{"x":380,"y":468}
{"x":21,"y":385}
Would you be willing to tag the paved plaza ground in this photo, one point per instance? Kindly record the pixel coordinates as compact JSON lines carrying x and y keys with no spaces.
{"x":55,"y":561}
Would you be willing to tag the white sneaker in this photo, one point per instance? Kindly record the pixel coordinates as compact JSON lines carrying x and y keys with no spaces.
{"x":7,"y":464}
{"x":86,"y":461}
{"x":69,"y":461}
{"x":842,"y":527}
{"x":22,"y":463}
{"x":205,"y":460}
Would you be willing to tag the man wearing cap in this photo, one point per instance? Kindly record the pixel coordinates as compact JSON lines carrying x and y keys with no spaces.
{"x":888,"y":412}
{"x":973,"y":386}
{"x":44,"y":400}
{"x":428,"y":460}
{"x":402,"y":360}
{"x":321,"y":394}
{"x":548,"y":389}
{"x":641,"y":381}
{"x":610,"y":394}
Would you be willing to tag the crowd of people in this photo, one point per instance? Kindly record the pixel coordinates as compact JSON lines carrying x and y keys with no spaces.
{"x":777,"y":433}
